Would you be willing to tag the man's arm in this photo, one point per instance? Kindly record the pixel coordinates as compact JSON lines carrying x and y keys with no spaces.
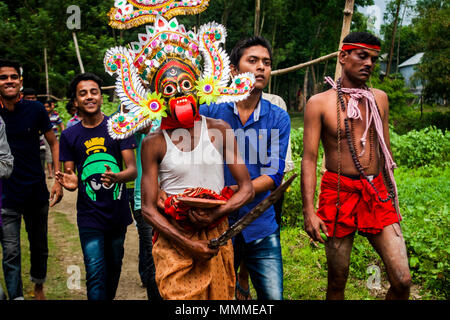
{"x":129,"y":174}
{"x":383,"y":103}
{"x":152,"y":151}
{"x":56,"y":192}
{"x":311,"y":138}
{"x":6,"y":158}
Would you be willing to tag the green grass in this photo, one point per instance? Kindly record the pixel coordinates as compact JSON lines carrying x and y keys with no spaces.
{"x":296,"y":119}
{"x":305,"y":269}
{"x":56,"y":285}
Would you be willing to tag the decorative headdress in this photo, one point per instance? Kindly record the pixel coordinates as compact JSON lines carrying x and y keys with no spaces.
{"x":167,"y":43}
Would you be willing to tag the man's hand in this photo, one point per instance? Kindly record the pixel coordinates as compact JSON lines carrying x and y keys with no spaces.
{"x":68,"y":180}
{"x":313,"y":224}
{"x":56,"y":194}
{"x":108,"y":178}
{"x":201,"y":218}
{"x":200,"y":250}
{"x":162,"y":196}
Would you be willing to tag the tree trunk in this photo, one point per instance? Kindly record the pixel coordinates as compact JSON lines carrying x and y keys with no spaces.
{"x":314,"y":80}
{"x":398,"y":42}
{"x":305,"y":88}
{"x":348,"y":14}
{"x":394,"y":31}
{"x":257,"y":17}
{"x":226,"y":11}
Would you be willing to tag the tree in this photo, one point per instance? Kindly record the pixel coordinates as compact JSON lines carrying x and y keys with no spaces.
{"x":433,"y":26}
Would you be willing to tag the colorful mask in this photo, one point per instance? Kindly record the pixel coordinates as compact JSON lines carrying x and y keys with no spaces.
{"x":164,"y":77}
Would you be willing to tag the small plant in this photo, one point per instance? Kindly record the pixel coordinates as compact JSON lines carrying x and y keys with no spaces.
{"x":427,"y":147}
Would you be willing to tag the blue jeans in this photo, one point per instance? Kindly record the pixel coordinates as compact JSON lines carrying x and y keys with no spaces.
{"x":103,"y":253}
{"x":146,"y":264}
{"x":263,"y":260}
{"x":36,"y":224}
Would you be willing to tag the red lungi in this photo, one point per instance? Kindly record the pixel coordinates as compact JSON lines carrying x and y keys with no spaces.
{"x":360,"y":207}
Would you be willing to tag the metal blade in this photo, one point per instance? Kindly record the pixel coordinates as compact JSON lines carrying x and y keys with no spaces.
{"x":242,"y":223}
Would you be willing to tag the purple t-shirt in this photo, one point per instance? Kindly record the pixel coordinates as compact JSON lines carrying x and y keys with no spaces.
{"x":0,"y":203}
{"x":90,"y":149}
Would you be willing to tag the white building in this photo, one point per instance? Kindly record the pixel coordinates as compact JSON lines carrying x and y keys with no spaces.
{"x":407,"y":69}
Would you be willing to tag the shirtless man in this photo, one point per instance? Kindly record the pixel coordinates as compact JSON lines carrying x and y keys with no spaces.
{"x":361,"y":206}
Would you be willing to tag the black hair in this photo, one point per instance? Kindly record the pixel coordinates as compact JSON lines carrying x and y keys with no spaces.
{"x":12,"y":64}
{"x":69,"y":105}
{"x":29,"y":92}
{"x":239,"y":48}
{"x":362,"y":37}
{"x":83,"y":77}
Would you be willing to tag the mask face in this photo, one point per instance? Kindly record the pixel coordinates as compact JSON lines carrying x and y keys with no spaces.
{"x":175,"y":81}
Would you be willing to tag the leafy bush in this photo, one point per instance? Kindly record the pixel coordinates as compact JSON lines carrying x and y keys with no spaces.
{"x":108,"y":108}
{"x":423,"y":195}
{"x":429,"y":146}
{"x":297,"y":143}
{"x":397,"y":92}
{"x":292,"y":205}
{"x":405,"y":121}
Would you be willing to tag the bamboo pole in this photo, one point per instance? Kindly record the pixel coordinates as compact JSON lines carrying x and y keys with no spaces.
{"x":77,"y":50}
{"x":346,"y":23}
{"x":47,"y":87}
{"x":305,"y":64}
{"x":348,"y":14}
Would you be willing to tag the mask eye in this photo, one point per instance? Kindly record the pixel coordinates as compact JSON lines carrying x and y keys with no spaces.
{"x":107,"y":188}
{"x":186,"y":85}
{"x":169,"y":89}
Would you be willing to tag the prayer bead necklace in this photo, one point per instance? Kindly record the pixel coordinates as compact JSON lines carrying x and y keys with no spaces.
{"x":350,"y":140}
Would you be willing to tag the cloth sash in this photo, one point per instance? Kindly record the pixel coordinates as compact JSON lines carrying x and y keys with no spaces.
{"x":360,"y":207}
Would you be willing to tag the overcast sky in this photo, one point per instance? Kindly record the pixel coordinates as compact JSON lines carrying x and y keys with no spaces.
{"x":378,"y":10}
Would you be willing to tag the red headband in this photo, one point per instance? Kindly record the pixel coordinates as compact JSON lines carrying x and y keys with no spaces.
{"x":351,"y":46}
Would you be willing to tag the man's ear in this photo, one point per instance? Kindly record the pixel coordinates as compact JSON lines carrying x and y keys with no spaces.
{"x":234,"y":70}
{"x":342,"y":57}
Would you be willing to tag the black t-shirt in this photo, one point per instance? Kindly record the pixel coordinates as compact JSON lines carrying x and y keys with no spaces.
{"x":90,"y":149}
{"x":24,"y":125}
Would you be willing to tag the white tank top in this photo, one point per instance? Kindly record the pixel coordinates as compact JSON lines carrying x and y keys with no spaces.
{"x":201,"y":167}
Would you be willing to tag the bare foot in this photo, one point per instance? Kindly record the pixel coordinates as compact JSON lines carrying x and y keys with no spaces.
{"x":39,"y":292}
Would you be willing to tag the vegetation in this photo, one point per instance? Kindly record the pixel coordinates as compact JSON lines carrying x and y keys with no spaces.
{"x":299,"y":31}
{"x":423,"y":189}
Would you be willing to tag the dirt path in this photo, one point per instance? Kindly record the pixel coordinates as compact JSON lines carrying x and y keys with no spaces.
{"x":130,"y":285}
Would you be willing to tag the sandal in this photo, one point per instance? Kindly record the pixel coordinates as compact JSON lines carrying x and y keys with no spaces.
{"x":242,"y":294}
